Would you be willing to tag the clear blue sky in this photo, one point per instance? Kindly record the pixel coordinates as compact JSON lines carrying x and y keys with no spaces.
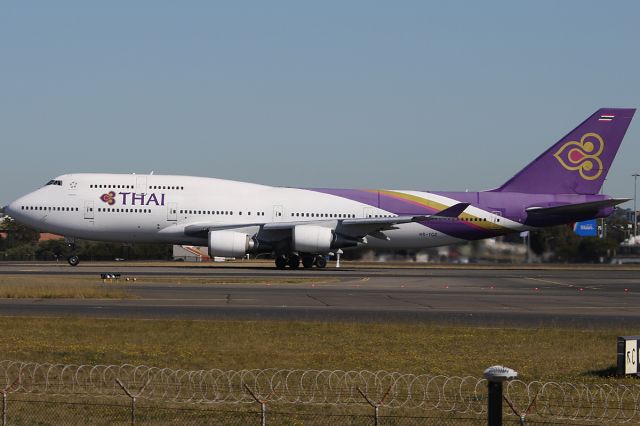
{"x":408,"y":94}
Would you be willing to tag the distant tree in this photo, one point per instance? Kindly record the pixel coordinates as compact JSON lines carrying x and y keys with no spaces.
{"x":561,"y":244}
{"x":21,"y":252}
{"x":548,"y":240}
{"x":52,"y":250}
{"x":18,"y":234}
{"x":592,"y":250}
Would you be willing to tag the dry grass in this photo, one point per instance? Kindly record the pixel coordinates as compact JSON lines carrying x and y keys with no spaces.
{"x":57,"y":287}
{"x":559,"y":354}
{"x":83,"y":287}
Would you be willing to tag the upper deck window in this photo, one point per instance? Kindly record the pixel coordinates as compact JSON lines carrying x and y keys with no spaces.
{"x":54,"y":182}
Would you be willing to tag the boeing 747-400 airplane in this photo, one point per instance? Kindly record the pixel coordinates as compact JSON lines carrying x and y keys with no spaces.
{"x":304,"y":225}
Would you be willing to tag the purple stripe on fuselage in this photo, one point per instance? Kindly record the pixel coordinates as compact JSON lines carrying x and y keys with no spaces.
{"x":399,"y":206}
{"x":513,"y":205}
{"x":508,"y":205}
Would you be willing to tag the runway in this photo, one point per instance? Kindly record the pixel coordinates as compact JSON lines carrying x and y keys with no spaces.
{"x":575,"y":297}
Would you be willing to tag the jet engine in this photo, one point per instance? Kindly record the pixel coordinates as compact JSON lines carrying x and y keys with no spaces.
{"x":318,"y":239}
{"x":312,"y":239}
{"x":229,"y":243}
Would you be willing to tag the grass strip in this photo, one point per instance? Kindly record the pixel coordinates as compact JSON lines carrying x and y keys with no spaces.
{"x":537,"y":354}
{"x":56,"y":287}
{"x":83,"y":287}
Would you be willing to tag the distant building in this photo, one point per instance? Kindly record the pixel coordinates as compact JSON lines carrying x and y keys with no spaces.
{"x":43,"y":236}
{"x":189,"y":254}
{"x":193,"y":254}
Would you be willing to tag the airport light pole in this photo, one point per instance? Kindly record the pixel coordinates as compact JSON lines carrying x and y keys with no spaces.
{"x":635,"y":212}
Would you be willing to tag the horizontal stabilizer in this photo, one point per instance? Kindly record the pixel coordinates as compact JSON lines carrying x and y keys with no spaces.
{"x":574,"y":209}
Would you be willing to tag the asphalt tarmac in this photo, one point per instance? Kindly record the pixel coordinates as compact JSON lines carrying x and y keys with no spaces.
{"x":574,"y":296}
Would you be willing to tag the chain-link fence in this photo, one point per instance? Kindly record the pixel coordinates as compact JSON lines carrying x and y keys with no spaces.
{"x":125,"y":394}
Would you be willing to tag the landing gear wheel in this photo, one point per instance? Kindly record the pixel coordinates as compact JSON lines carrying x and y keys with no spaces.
{"x":73,"y":260}
{"x":321,"y":262}
{"x":294,"y":262}
{"x":307,"y":261}
{"x":281,"y":262}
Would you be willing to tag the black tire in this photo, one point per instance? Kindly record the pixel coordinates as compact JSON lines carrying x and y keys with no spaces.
{"x":281,"y":262}
{"x":307,"y":261}
{"x":294,"y":262}
{"x":321,"y":261}
{"x":73,"y":260}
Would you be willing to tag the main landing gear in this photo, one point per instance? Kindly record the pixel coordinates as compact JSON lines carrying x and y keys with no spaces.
{"x":293,"y":261}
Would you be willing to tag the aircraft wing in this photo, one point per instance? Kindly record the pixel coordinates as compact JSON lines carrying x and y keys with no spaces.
{"x":357,"y":228}
{"x":575,"y":209}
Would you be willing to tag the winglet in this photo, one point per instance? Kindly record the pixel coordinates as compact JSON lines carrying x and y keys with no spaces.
{"x":453,"y":211}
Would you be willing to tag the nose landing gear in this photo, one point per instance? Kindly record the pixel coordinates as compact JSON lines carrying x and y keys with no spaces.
{"x":73,"y":259}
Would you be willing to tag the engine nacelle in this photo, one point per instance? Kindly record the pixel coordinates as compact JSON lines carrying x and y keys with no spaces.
{"x":312,"y":239}
{"x":229,"y":243}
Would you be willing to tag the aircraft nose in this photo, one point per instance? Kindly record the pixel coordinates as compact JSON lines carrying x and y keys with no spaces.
{"x":8,"y":210}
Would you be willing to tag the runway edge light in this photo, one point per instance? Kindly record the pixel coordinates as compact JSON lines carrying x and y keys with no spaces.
{"x":627,"y":355}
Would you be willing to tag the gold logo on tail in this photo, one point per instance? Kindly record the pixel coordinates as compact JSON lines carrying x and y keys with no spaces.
{"x":583,"y":156}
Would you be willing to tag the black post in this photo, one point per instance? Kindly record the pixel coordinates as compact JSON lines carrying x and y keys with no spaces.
{"x":495,"y":404}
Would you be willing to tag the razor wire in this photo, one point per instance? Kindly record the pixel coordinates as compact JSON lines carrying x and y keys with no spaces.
{"x":455,"y":394}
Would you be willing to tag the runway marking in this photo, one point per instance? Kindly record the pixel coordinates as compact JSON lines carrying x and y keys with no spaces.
{"x":549,"y":282}
{"x":410,"y":302}
{"x":317,"y":300}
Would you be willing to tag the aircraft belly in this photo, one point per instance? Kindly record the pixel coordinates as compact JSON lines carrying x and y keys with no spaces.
{"x":412,"y":236}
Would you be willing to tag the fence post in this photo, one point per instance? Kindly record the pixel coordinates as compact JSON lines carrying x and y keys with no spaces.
{"x":5,"y":393}
{"x":495,"y":376}
{"x":133,"y":398}
{"x":262,"y":402}
{"x":494,"y":410}
{"x":375,"y":405}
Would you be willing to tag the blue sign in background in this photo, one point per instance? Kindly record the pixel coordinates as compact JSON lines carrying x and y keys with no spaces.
{"x":588,"y":228}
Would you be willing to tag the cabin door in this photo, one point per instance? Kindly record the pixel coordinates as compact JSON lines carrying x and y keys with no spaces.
{"x":278,"y":214}
{"x":172,"y":212}
{"x":88,"y":210}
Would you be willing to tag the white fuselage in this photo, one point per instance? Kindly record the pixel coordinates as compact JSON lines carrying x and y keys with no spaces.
{"x":156,"y":209}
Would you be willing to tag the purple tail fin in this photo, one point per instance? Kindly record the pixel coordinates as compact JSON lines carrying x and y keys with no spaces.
{"x":579,"y":162}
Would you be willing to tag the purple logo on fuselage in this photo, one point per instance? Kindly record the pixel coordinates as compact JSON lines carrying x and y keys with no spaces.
{"x":135,"y":199}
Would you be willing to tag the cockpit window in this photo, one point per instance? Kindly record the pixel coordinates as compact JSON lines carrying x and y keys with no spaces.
{"x":54,"y":182}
